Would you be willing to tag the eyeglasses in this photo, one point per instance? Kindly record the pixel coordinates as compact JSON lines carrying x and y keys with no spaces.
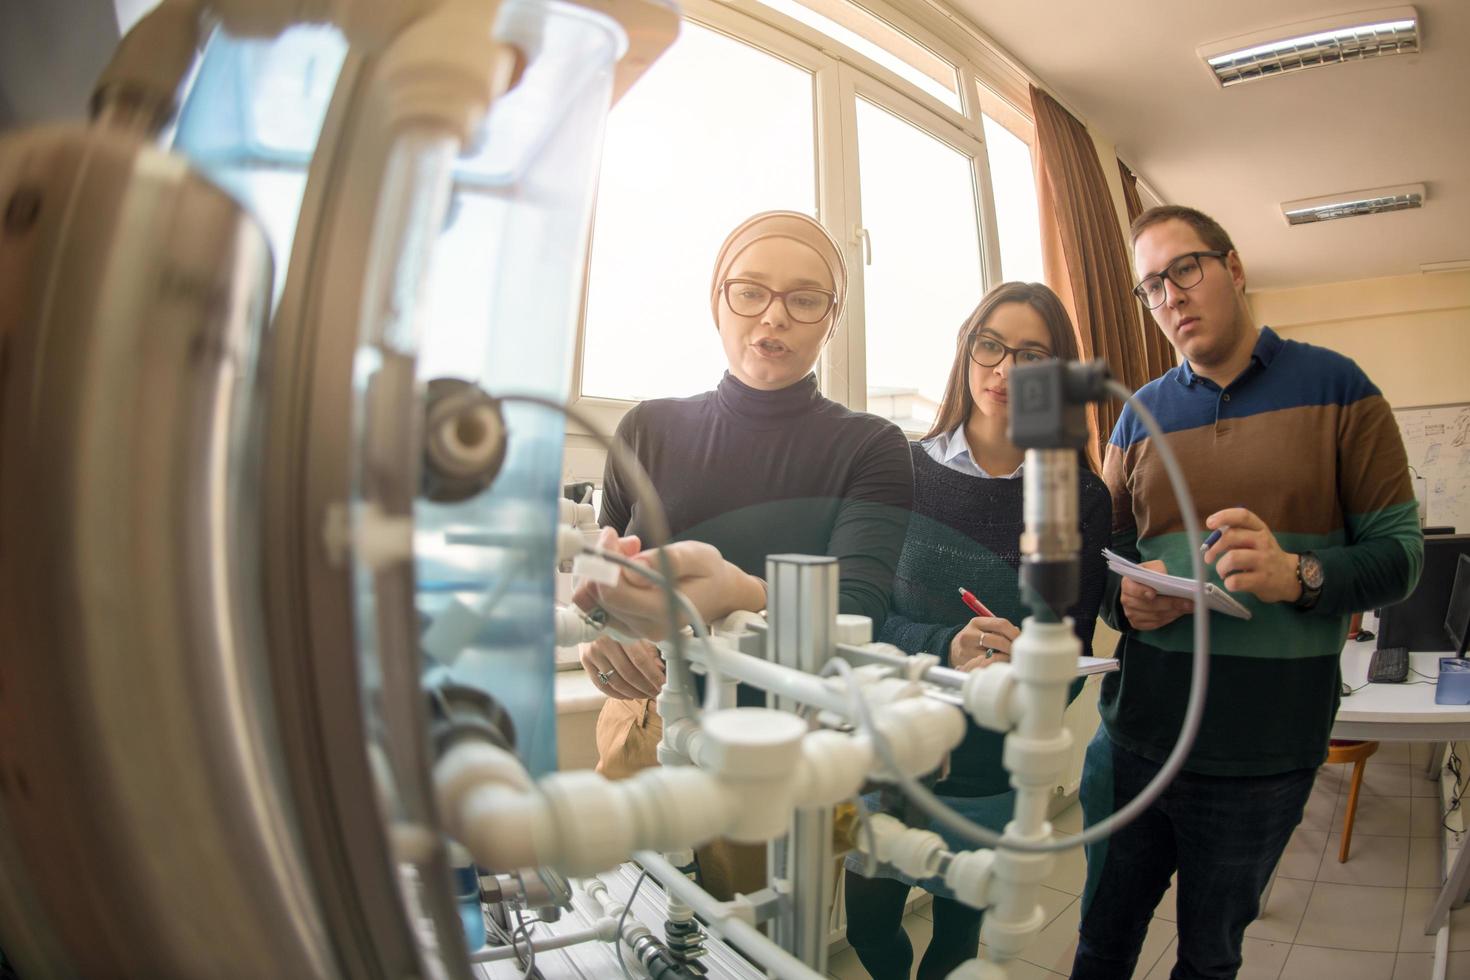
{"x":805,"y":305}
{"x":988,"y":352}
{"x":1184,"y":272}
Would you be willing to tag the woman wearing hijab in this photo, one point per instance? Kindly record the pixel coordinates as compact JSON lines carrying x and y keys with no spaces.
{"x":762,"y":464}
{"x":965,"y":532}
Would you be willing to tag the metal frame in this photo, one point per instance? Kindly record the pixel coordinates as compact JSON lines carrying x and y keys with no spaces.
{"x":310,"y":617}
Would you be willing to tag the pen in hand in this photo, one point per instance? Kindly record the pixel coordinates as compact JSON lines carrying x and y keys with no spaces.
{"x":976,"y":606}
{"x":1215,"y":535}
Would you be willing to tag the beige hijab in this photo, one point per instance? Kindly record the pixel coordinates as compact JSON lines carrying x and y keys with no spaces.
{"x":781,"y":224}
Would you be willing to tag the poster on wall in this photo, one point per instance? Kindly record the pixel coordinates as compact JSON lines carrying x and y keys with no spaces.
{"x":1437,"y":438}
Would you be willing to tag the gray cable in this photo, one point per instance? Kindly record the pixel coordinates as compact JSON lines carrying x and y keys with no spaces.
{"x":656,"y":518}
{"x":1193,"y":713}
{"x":524,"y":927}
{"x":622,"y":919}
{"x":696,"y":620}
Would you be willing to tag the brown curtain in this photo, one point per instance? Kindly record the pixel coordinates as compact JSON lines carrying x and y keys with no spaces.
{"x":1085,"y":259}
{"x":1159,"y":352}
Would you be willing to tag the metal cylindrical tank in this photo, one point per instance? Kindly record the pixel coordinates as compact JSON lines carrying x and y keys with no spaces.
{"x":144,"y":828}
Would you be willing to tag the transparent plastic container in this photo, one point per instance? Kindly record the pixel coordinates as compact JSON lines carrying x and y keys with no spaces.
{"x":502,"y":306}
{"x":252,"y":117}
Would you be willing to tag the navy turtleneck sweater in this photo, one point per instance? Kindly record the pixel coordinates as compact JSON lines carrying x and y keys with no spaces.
{"x":756,"y":473}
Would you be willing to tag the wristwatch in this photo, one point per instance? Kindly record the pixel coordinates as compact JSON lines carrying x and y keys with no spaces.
{"x":1309,"y":574}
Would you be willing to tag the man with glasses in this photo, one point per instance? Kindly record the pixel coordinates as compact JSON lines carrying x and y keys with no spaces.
{"x":1293,"y":454}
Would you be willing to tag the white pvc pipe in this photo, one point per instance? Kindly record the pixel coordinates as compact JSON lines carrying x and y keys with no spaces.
{"x":1030,"y":810}
{"x":785,"y":681}
{"x":726,"y":924}
{"x":600,"y":931}
{"x":1044,"y":659}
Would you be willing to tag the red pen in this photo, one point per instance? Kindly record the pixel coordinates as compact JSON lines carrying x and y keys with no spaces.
{"x":976,"y":606}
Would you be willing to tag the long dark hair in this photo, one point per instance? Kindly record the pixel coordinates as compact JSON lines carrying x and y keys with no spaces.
{"x":955,"y":407}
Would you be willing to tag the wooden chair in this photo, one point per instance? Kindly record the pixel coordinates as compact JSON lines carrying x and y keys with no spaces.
{"x":1350,"y":750}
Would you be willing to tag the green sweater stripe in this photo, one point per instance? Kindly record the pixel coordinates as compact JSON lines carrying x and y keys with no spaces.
{"x":1286,"y":697}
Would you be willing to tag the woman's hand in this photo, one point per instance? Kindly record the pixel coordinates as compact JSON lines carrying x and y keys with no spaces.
{"x":638,"y":607}
{"x":623,"y":670}
{"x":984,"y":640}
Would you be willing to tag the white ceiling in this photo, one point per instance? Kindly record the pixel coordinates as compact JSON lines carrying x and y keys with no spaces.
{"x":1130,"y":68}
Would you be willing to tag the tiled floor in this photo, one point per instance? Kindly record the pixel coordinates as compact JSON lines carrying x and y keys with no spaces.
{"x":1362,"y":920}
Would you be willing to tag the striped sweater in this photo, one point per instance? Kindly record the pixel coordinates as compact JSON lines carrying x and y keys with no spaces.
{"x":1304,"y":440}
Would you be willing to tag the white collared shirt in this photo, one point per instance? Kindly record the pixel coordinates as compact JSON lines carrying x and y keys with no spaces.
{"x":953,"y":450}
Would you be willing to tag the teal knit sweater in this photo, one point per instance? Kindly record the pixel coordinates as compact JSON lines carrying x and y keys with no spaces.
{"x":966,"y":531}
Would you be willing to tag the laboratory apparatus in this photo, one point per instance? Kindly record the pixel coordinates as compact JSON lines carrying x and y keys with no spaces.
{"x":279,"y":530}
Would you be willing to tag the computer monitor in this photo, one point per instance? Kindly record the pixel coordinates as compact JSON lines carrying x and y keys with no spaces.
{"x":1457,"y":617}
{"x":1419,"y":621}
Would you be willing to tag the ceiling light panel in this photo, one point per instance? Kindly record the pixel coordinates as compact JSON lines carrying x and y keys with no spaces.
{"x":1312,"y":44}
{"x":1353,"y":203}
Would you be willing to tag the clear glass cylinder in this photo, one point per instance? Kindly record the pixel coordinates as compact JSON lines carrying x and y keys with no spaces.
{"x":501,"y":312}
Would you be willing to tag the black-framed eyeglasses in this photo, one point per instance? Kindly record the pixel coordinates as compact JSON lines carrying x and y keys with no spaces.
{"x":988,"y":352}
{"x":808,"y":304}
{"x":1184,"y":272}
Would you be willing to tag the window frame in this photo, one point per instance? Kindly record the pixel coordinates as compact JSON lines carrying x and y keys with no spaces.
{"x":989,"y":81}
{"x":852,"y":335}
{"x":718,"y":17}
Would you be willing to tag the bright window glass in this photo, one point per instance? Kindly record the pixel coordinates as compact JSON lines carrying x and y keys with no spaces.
{"x":1016,"y":217}
{"x":878,"y":40}
{"x":716,"y":131}
{"x":919,"y":209}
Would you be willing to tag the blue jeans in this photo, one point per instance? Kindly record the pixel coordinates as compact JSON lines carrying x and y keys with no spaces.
{"x":1223,"y":834}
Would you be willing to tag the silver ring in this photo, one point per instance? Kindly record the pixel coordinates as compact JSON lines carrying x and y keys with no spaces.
{"x":982,"y":641}
{"x":606,"y":675}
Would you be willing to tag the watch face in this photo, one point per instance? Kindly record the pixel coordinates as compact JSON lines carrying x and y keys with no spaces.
{"x":1311,"y":572}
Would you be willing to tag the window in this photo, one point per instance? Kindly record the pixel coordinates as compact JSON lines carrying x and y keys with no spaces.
{"x":859,"y":30}
{"x":742,"y":141}
{"x":737,"y":117}
{"x":918,"y":206}
{"x":1016,"y":214}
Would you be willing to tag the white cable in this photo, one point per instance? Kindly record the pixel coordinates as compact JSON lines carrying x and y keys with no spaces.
{"x":593,"y":933}
{"x":1193,"y":713}
{"x":712,"y":678}
{"x":656,"y":518}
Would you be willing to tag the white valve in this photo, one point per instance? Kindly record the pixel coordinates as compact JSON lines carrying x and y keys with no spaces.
{"x":920,"y":732}
{"x":990,"y":697}
{"x":915,"y":852}
{"x":754,"y":751}
{"x":853,"y":629}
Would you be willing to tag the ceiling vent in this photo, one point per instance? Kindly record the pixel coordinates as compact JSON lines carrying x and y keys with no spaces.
{"x":1353,"y":203}
{"x":1312,"y":44}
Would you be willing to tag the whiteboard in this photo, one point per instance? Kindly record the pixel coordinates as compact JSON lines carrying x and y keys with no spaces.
{"x":1437,"y":438}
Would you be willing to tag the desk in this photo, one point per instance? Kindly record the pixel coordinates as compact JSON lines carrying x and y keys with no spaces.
{"x":1407,"y":712}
